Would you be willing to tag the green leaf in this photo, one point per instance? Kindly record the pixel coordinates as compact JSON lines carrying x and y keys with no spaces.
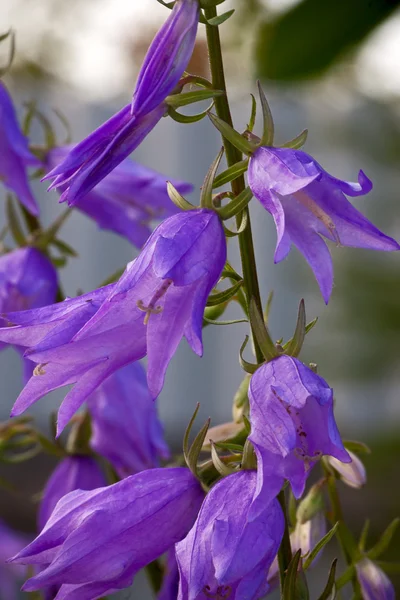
{"x":384,"y":540}
{"x":187,"y":433}
{"x":64,"y":248}
{"x":236,"y":205}
{"x":231,"y":135}
{"x":229,"y":322}
{"x":363,"y":537}
{"x":356,"y":447}
{"x":311,"y":504}
{"x":210,"y":3}
{"x":186,"y":98}
{"x":309,"y":38}
{"x":50,"y":447}
{"x":14,"y":222}
{"x":235,"y":448}
{"x":180,"y":118}
{"x":293,"y":348}
{"x":196,"y":448}
{"x":329,"y":592}
{"x":241,"y":228}
{"x":246,"y":366}
{"x":11,"y":35}
{"x":231,"y":173}
{"x":221,"y":467}
{"x":169,"y":5}
{"x":289,"y":591}
{"x":177,"y":198}
{"x":253,"y":114}
{"x":298,"y":141}
{"x":219,"y":19}
{"x":267,"y":138}
{"x":206,"y":199}
{"x":224,"y":296}
{"x":261,"y":333}
{"x":318,"y":547}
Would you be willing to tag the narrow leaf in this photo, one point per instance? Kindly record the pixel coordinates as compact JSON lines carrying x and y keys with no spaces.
{"x":246,"y":366}
{"x":384,"y":540}
{"x":64,"y":248}
{"x":297,"y":142}
{"x":222,"y":469}
{"x":11,"y":35}
{"x":236,"y":206}
{"x":252,"y":122}
{"x":229,"y":322}
{"x":318,"y":547}
{"x":356,"y":447}
{"x":293,"y":347}
{"x":196,"y":447}
{"x":180,"y":118}
{"x":177,"y":198}
{"x":219,"y":19}
{"x":186,"y":98}
{"x":329,"y":592}
{"x":240,"y":229}
{"x":187,"y":433}
{"x":206,"y":200}
{"x":231,"y":173}
{"x":231,"y":135}
{"x":261,"y":332}
{"x":14,"y":222}
{"x":289,"y":587}
{"x":224,"y":296}
{"x":364,"y":535}
{"x":268,"y":122}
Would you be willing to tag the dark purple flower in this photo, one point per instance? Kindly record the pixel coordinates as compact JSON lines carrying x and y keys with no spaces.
{"x":374,"y":583}
{"x":11,"y":542}
{"x":307,"y":203}
{"x":96,"y":541}
{"x":170,"y":584}
{"x":27,"y":280}
{"x":159,"y":299}
{"x":77,"y":472}
{"x":292,"y":425}
{"x":15,"y":154}
{"x":226,"y":555}
{"x":98,"y":154}
{"x":127,"y":200}
{"x":125,"y":426}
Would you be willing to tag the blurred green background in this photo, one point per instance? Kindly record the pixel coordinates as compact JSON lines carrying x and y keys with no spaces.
{"x":331,"y":66}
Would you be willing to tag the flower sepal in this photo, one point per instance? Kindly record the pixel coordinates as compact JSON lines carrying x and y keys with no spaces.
{"x":234,"y":137}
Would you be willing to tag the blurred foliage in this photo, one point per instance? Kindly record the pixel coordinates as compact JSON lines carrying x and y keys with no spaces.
{"x":309,"y":38}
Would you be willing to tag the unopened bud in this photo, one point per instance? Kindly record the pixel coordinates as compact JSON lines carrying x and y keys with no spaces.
{"x":352,"y":474}
{"x":373,"y":581}
{"x":306,"y":535}
{"x":312,"y":504}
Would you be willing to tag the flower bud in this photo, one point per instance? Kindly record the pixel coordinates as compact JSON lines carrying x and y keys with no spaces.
{"x":312,"y":504}
{"x":352,"y":474}
{"x":373,"y":581}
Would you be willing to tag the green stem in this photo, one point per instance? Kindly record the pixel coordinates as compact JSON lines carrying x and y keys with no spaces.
{"x":233,"y":156}
{"x":285,"y":549}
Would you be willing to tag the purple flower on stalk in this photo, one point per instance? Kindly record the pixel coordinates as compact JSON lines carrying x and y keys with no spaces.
{"x":226,"y":555}
{"x":11,"y":542}
{"x":375,"y":584}
{"x":159,"y":299}
{"x":95,"y":542}
{"x":125,"y":426}
{"x":15,"y":154}
{"x":170,"y":584}
{"x":97,"y":155}
{"x":292,"y":425}
{"x":307,"y":203}
{"x":77,"y":472}
{"x":127,"y":200}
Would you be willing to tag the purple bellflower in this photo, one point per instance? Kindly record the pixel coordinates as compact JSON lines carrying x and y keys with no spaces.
{"x":225,"y":555}
{"x":307,"y":203}
{"x":374,"y":583}
{"x":27,"y":280}
{"x":11,"y":542}
{"x":159,"y":299}
{"x":170,"y":584}
{"x":77,"y":472}
{"x":127,"y":200}
{"x":125,"y":426}
{"x":292,"y":425}
{"x":96,"y":541}
{"x":15,"y":154}
{"x":97,"y":155}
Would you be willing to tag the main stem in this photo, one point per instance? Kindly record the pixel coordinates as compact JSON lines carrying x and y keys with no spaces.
{"x":245,"y":238}
{"x":233,"y":156}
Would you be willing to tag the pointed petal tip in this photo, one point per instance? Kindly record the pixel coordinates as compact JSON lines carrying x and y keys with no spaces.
{"x":365,"y":182}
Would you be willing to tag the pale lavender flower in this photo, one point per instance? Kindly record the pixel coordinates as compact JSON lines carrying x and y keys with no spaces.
{"x":307,"y":203}
{"x":15,"y":154}
{"x":375,"y":584}
{"x":227,"y":555}
{"x":125,"y":425}
{"x":97,"y":155}
{"x":292,"y":425}
{"x":159,"y":299}
{"x":127,"y":200}
{"x":353,"y":473}
{"x":96,"y":541}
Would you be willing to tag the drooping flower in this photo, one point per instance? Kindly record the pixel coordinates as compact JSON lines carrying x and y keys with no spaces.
{"x":170,"y":584}
{"x":97,"y":155}
{"x":127,"y":200}
{"x":125,"y":426}
{"x":307,"y":203}
{"x":27,"y":280}
{"x":159,"y":299}
{"x":11,"y":576}
{"x":292,"y":424}
{"x":76,"y":472}
{"x":226,"y":555}
{"x":15,"y":154}
{"x":96,"y":541}
{"x":375,"y":584}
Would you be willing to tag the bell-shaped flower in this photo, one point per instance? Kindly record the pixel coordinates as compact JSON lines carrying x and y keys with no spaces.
{"x":96,"y":541}
{"x":159,"y":299}
{"x":307,"y":203}
{"x":227,"y":555}
{"x":374,"y":583}
{"x":75,"y":472}
{"x":125,"y":425}
{"x":27,"y":280}
{"x":170,"y":583}
{"x":15,"y":154}
{"x":127,"y":200}
{"x":292,"y":425}
{"x":166,"y":60}
{"x":11,"y":576}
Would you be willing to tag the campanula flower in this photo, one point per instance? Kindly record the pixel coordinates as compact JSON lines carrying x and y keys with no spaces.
{"x":96,"y":541}
{"x":27,"y":280}
{"x":307,"y":203}
{"x":226,"y":555}
{"x":76,"y":472}
{"x":125,"y":426}
{"x":292,"y":424}
{"x":159,"y":299}
{"x":127,"y":200}
{"x":374,"y":583}
{"x":97,"y":155}
{"x":170,"y":584}
{"x":15,"y":154}
{"x":11,"y":542}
